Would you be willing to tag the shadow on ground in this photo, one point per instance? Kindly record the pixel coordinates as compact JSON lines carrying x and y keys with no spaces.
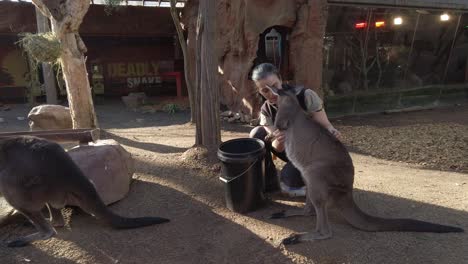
{"x":350,"y":245}
{"x":153,"y":147}
{"x":114,"y":114}
{"x":194,"y":235}
{"x":235,"y":127}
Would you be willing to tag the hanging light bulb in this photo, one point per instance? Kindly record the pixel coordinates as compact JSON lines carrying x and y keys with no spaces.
{"x":397,"y":21}
{"x":444,"y":17}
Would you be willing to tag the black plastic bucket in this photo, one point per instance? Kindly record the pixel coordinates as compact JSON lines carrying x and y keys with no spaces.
{"x":243,"y":173}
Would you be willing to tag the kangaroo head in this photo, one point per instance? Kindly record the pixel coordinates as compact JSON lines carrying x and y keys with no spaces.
{"x":288,"y":105}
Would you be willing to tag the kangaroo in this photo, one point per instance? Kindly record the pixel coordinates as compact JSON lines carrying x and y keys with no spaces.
{"x":328,"y":172}
{"x":36,"y":173}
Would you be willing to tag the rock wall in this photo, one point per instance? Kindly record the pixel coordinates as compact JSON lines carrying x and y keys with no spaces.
{"x":240,"y":23}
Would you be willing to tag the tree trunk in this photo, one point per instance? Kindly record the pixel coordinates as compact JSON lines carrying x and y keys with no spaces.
{"x":77,"y":83}
{"x":47,"y":71}
{"x":183,"y":46}
{"x":198,"y":40}
{"x":208,"y":113}
{"x":66,"y":17}
{"x":306,"y":43}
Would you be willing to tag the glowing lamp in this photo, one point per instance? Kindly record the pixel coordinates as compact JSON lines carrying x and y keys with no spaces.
{"x":444,"y":17}
{"x":360,"y":25}
{"x":379,"y":24}
{"x":397,"y":21}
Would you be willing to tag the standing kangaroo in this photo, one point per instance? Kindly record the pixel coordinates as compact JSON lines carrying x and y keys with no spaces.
{"x":328,"y":172}
{"x":35,"y":173}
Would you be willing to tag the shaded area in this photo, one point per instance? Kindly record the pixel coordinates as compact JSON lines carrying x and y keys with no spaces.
{"x":235,"y":127}
{"x":194,"y":235}
{"x":349,"y":245}
{"x":153,"y":147}
{"x":113,"y":114}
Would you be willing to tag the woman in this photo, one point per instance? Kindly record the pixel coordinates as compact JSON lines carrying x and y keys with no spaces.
{"x":265,"y":75}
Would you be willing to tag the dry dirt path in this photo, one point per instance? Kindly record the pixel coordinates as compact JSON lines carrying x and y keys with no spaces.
{"x":202,"y":230}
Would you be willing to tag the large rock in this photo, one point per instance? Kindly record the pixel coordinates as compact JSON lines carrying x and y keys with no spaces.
{"x":45,"y":117}
{"x":134,"y":100}
{"x":108,"y":165}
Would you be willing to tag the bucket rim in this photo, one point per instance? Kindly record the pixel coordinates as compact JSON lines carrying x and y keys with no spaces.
{"x":224,"y":153}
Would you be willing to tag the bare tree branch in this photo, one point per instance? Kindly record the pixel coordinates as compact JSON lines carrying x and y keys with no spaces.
{"x":183,"y":46}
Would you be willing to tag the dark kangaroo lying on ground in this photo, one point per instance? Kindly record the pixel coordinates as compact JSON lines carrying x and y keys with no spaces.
{"x":35,"y":173}
{"x":328,"y":172}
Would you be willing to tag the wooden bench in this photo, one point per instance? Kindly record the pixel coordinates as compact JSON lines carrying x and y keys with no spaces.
{"x":82,"y":136}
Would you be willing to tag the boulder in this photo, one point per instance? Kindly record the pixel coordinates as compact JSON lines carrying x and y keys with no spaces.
{"x":108,"y":165}
{"x":45,"y":117}
{"x":134,"y":100}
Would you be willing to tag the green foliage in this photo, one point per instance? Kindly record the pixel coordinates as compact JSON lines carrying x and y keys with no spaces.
{"x":171,"y":108}
{"x":111,"y":6}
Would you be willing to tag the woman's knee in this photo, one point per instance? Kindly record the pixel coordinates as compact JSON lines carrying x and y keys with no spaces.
{"x":258,"y":132}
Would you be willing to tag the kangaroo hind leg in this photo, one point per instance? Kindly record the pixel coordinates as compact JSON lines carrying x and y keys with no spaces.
{"x":319,"y":198}
{"x":44,"y":228}
{"x":307,"y":210}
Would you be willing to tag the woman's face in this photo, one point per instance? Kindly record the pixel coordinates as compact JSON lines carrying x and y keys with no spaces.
{"x":271,"y":80}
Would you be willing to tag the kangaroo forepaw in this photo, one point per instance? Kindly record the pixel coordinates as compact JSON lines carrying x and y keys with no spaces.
{"x":291,"y":240}
{"x":17,"y":243}
{"x":311,"y":236}
{"x":278,"y":215}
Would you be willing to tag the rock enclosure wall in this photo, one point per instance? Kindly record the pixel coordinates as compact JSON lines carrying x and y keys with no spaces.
{"x":239,"y":25}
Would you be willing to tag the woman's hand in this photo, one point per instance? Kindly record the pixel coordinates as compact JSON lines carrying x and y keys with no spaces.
{"x":278,"y":142}
{"x":334,"y":132}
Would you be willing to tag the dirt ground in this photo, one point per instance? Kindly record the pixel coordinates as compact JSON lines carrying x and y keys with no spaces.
{"x":202,"y":230}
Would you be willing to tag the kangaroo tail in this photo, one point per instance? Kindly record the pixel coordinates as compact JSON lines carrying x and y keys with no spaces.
{"x":89,"y":200}
{"x":360,"y":220}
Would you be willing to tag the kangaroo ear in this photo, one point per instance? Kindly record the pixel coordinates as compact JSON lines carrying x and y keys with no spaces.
{"x":298,"y":89}
{"x":293,"y":89}
{"x":274,"y":90}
